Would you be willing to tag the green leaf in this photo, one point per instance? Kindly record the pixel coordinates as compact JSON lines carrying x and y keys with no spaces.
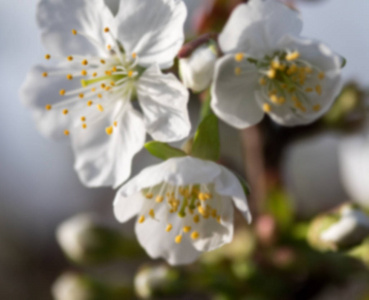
{"x":343,"y":63}
{"x":163,"y":150}
{"x":206,"y":144}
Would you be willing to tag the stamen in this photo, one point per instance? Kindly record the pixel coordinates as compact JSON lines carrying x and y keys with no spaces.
{"x":44,"y":74}
{"x":84,"y":125}
{"x":159,"y":199}
{"x":178,"y":239}
{"x":102,"y":61}
{"x":169,"y":227}
{"x":83,"y":72}
{"x":271,"y":73}
{"x":195,"y":235}
{"x":65,"y":111}
{"x":186,"y":229}
{"x":106,"y":29}
{"x":239,"y":56}
{"x":152,"y":213}
{"x":318,"y":89}
{"x":109,"y":130}
{"x":149,"y":196}
{"x":47,"y":56}
{"x":74,"y":32}
{"x":321,"y":75}
{"x":83,"y":119}
{"x":267,"y":108}
{"x":84,"y":62}
{"x":48,"y":106}
{"x":89,"y":103}
{"x":237,"y":71}
{"x":100,"y":107}
{"x":293,"y":56}
{"x":262,"y":81}
{"x":69,"y":76}
{"x":62,"y":92}
{"x":115,"y":123}
{"x":66,"y":132}
{"x":316,"y":108}
{"x":70,"y":58}
{"x":141,"y":219}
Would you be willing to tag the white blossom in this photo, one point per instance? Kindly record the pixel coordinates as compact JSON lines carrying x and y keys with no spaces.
{"x":184,"y":207}
{"x":197,"y":70}
{"x":102,"y":64}
{"x":268,"y":68}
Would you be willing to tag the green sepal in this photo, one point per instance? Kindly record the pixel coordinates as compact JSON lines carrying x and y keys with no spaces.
{"x":163,"y":150}
{"x":206,"y":144}
{"x":343,"y":62}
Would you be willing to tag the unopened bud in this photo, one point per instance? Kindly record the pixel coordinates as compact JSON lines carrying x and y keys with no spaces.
{"x":86,"y":239}
{"x":350,"y":230}
{"x":71,"y":286}
{"x":197,"y":69}
{"x":155,"y":281}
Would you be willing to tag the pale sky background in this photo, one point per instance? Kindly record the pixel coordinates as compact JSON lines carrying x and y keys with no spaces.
{"x":38,"y":187}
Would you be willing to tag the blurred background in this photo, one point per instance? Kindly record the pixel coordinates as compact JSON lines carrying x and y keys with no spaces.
{"x":314,"y":169}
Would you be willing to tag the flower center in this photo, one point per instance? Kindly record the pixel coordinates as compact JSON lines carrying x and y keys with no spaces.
{"x":103,"y":81}
{"x":288,"y":80}
{"x":192,"y":204}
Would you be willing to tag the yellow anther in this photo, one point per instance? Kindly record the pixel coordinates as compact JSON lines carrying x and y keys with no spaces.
{"x":196,"y":219}
{"x":281,"y":100}
{"x":195,"y":235}
{"x":202,"y":196}
{"x":84,"y":62}
{"x":65,"y":111}
{"x":89,"y":103}
{"x":271,"y":73}
{"x":114,"y":69}
{"x":84,"y":125}
{"x":70,"y":58}
{"x":108,"y":73}
{"x":169,"y":227}
{"x":94,"y":74}
{"x":204,"y":212}
{"x":186,"y":229}
{"x":274,"y":98}
{"x":83,"y":72}
{"x":83,"y":119}
{"x":293,"y":56}
{"x":44,"y":74}
{"x":47,"y":56}
{"x":100,"y":107}
{"x":239,"y":56}
{"x":267,"y":108}
{"x":237,"y":71}
{"x":318,"y":89}
{"x":108,"y":47}
{"x":99,"y":96}
{"x":115,"y":123}
{"x":275,"y":64}
{"x":106,"y":29}
{"x":102,"y":61}
{"x":178,"y":239}
{"x":109,"y":130}
{"x":219,"y":219}
{"x":108,"y":88}
{"x":103,"y":85}
{"x":93,"y":90}
{"x":66,"y":132}
{"x":130,"y":73}
{"x":149,"y":196}
{"x":134,"y":55}
{"x":69,"y":76}
{"x":316,"y":108}
{"x":214,"y":213}
{"x":141,"y":219}
{"x":262,"y":81}
{"x":159,"y":199}
{"x":74,"y":32}
{"x":152,"y":213}
{"x":292,"y":69}
{"x":112,"y":83}
{"x":321,"y":75}
{"x":308,"y":90}
{"x":48,"y":106}
{"x":81,"y":95}
{"x":62,"y":92}
{"x":308,"y":70}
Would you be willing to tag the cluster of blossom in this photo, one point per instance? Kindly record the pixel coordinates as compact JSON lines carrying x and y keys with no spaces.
{"x":104,"y":63}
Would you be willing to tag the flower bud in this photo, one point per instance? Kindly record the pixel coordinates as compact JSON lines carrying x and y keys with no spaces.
{"x":85,"y":239}
{"x":155,"y":280}
{"x":350,"y":230}
{"x":196,"y":70}
{"x":71,"y":286}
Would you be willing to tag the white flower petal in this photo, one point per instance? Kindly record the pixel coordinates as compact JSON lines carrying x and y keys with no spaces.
{"x":38,"y":91}
{"x":126,"y":208}
{"x":320,"y":56}
{"x":153,"y":29}
{"x":163,"y":100}
{"x":257,"y":26}
{"x":176,"y":171}
{"x":102,"y":159}
{"x":213,"y":234}
{"x":158,"y":243}
{"x":227,"y":184}
{"x":57,"y":19}
{"x":233,"y":95}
